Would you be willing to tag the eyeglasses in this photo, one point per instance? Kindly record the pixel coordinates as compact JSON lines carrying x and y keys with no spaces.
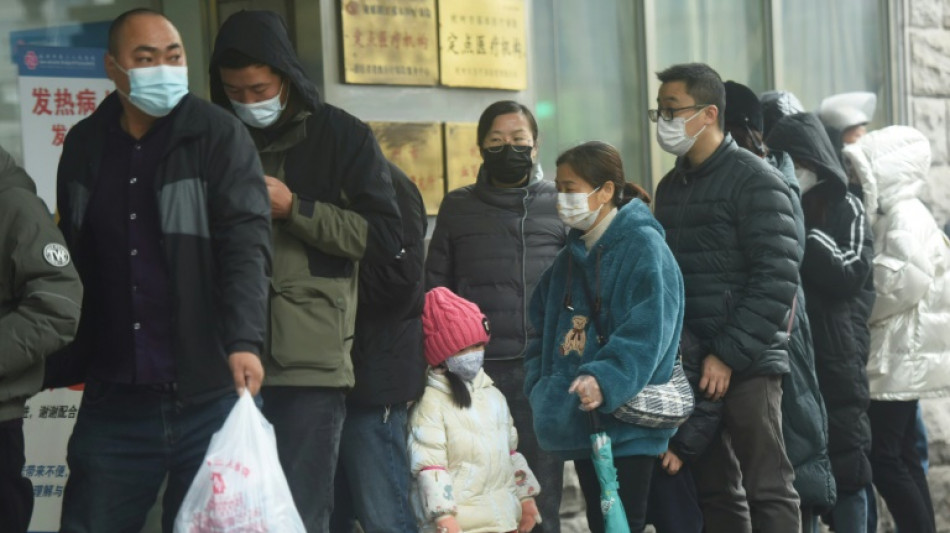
{"x":667,"y":113}
{"x":519,"y":148}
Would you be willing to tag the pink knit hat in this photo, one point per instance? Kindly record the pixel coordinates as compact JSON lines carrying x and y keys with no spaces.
{"x":451,"y":324}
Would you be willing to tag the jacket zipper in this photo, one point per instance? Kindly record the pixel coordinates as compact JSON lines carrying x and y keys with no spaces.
{"x":524,"y":275}
{"x":679,"y":217}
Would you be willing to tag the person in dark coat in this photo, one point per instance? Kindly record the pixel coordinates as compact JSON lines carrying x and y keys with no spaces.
{"x":839,"y":291}
{"x":804,"y":419}
{"x":731,"y":227}
{"x":372,"y":478}
{"x":334,"y":210}
{"x":491,"y":243}
{"x":163,"y":206}
{"x":40,"y":298}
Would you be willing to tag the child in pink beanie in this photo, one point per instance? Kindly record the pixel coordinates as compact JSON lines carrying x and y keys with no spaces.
{"x":467,"y":473}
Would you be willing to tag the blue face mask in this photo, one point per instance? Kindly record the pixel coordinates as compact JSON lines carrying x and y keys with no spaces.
{"x":156,"y":90}
{"x":260,"y":114}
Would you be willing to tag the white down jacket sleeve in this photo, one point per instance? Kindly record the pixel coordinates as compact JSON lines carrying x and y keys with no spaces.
{"x":903,"y":268}
{"x":526,"y":485}
{"x":429,"y":460}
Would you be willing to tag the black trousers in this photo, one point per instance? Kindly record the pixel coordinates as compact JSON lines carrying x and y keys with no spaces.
{"x":674,"y":504}
{"x":16,"y":491}
{"x":895,"y":464}
{"x":633,"y":474}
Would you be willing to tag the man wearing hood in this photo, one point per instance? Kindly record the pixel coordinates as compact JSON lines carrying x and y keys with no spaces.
{"x":491,"y":243}
{"x":163,"y":205}
{"x":333,"y":206}
{"x":839,"y":291}
{"x":40,"y":298}
{"x":731,"y":227}
{"x":804,"y":418}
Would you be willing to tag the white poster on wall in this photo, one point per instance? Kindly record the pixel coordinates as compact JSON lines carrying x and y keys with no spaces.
{"x":58,"y":88}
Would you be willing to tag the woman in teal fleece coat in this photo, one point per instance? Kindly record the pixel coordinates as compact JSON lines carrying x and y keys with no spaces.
{"x":615,"y":273}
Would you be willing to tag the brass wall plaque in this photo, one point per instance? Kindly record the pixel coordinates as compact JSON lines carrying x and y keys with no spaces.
{"x":389,"y":42}
{"x":482,"y":44}
{"x":462,"y":157}
{"x":416,"y":148}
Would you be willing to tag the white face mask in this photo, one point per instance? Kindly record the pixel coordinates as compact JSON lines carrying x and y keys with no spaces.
{"x":806,"y":179}
{"x":260,"y":114}
{"x":466,"y":366}
{"x":156,"y":90}
{"x":574,"y":209}
{"x":671,"y":134}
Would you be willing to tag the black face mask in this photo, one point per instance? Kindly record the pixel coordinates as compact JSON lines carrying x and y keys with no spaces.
{"x":507,"y":167}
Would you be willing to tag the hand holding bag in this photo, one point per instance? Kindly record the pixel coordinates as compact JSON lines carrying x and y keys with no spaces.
{"x":240,"y":486}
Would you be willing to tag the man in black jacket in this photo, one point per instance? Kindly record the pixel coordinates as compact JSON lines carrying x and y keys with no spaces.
{"x":163,"y":205}
{"x":334,"y":212}
{"x":372,"y":479}
{"x":839,"y":291}
{"x":730,"y":224}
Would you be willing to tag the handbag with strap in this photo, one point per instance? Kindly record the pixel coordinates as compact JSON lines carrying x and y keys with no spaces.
{"x":663,"y":405}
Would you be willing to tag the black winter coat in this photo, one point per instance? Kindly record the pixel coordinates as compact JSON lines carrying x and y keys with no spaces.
{"x":388,"y":357}
{"x":730,"y":225}
{"x":839,"y":292}
{"x":215,"y":217}
{"x":804,"y":418}
{"x":491,"y":245}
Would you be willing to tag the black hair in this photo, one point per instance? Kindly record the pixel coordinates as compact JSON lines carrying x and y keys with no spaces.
{"x":748,"y":138}
{"x":460,"y":393}
{"x":504,"y":107}
{"x":597,"y":162}
{"x":119,"y":22}
{"x":702,"y":83}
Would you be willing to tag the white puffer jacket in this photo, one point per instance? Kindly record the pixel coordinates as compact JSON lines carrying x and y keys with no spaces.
{"x":464,"y":461}
{"x":910,"y":323}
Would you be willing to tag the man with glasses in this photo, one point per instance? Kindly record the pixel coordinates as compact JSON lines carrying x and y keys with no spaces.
{"x":492,"y":240}
{"x":730,"y":224}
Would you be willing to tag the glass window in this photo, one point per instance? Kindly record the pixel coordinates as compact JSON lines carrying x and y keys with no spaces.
{"x":834,"y":47}
{"x":587,"y":81}
{"x":728,"y":35}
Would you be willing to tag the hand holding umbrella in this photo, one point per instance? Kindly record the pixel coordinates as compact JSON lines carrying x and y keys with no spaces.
{"x":615,"y":518}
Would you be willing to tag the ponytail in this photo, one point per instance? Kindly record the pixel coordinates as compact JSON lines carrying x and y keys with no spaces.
{"x":631,"y":191}
{"x":460,"y":393}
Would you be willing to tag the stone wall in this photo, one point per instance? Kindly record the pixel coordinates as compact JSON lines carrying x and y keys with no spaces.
{"x":926,"y":43}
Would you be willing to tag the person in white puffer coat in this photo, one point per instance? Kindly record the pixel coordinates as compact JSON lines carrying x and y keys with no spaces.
{"x":467,"y":473}
{"x":910,"y":348}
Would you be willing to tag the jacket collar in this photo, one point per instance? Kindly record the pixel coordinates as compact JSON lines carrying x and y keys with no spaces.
{"x":437,"y":380}
{"x":506,"y":198}
{"x":711,"y":165}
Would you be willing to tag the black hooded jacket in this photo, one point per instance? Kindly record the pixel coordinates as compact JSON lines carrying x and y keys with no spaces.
{"x":339,"y":161}
{"x":344,"y":213}
{"x":388,"y":355}
{"x":839,"y":291}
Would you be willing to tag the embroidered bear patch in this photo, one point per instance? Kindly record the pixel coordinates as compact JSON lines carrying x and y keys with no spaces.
{"x":576,"y":338}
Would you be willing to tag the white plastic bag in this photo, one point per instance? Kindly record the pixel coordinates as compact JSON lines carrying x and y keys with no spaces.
{"x":240,"y":487}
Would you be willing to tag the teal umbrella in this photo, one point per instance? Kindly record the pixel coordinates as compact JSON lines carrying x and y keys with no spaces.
{"x":615,"y":518}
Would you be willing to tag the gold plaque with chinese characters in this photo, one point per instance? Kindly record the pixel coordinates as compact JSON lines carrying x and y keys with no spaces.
{"x":390,"y":42}
{"x":416,"y":148}
{"x":462,"y":157}
{"x":482,"y":44}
